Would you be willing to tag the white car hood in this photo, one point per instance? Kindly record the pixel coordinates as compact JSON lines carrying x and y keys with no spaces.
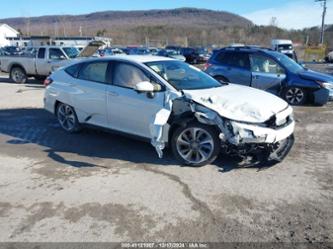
{"x":239,"y":103}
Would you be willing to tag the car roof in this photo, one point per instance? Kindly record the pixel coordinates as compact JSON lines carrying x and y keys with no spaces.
{"x":135,"y":58}
{"x":247,"y":49}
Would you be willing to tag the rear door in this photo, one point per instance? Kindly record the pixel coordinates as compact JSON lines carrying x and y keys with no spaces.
{"x":235,"y":66}
{"x":267,"y":74}
{"x":129,"y":111}
{"x":90,"y":92}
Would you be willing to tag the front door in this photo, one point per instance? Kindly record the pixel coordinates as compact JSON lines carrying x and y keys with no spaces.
{"x":128,"y":110}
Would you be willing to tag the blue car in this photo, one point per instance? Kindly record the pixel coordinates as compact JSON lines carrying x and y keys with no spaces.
{"x":271,"y":71}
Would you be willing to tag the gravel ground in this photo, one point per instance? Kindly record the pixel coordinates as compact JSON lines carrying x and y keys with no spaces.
{"x":96,"y":186}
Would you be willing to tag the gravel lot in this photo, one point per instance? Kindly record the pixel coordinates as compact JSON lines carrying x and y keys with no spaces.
{"x":96,"y":186}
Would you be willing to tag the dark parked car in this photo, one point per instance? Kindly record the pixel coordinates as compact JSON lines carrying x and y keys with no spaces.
{"x":191,"y":55}
{"x":271,"y":71}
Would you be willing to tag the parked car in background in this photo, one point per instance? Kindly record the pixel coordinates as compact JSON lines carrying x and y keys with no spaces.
{"x":271,"y":71}
{"x":191,"y":55}
{"x":118,"y":51}
{"x":171,"y":54}
{"x":137,"y":51}
{"x":105,"y":52}
{"x":153,"y":50}
{"x":42,"y":62}
{"x":329,"y":57}
{"x":173,"y":47}
{"x":169,"y":102}
{"x":203,"y":55}
{"x":284,"y":46}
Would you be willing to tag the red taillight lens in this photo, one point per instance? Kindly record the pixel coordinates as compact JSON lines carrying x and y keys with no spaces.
{"x":48,"y":81}
{"x":207,"y":65}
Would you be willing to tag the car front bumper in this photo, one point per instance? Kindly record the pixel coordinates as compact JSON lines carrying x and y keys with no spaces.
{"x":330,"y":95}
{"x":322,"y":95}
{"x":282,"y":127}
{"x":249,"y":133}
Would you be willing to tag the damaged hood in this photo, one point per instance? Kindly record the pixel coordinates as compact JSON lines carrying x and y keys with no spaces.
{"x":315,"y":76}
{"x":239,"y":103}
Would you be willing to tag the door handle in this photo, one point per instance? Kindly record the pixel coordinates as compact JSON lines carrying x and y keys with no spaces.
{"x":255,"y":77}
{"x":114,"y":94}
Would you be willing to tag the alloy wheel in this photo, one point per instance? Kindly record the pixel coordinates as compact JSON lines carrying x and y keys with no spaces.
{"x":295,"y":96}
{"x":195,"y":145}
{"x":66,"y":117}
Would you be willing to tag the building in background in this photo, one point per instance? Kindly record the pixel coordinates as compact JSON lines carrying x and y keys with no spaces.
{"x":7,"y":32}
{"x":72,"y":41}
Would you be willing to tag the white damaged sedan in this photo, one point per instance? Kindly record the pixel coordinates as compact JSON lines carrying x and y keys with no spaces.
{"x":169,"y":102}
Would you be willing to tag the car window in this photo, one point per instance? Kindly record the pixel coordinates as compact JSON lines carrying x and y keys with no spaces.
{"x":264,"y":64}
{"x":126,"y":75}
{"x":182,"y":75}
{"x":73,"y":70}
{"x":94,"y":71}
{"x":41,"y":53}
{"x":56,"y":54}
{"x":236,"y":59}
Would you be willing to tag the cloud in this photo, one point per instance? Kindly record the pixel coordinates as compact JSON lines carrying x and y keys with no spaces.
{"x":295,"y":15}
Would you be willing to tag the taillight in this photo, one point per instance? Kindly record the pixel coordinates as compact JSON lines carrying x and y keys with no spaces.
{"x":207,"y":65}
{"x":48,"y":81}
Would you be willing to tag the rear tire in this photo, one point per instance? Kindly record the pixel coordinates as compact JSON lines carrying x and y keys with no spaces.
{"x":67,"y":118}
{"x":195,"y":144}
{"x":18,"y":75}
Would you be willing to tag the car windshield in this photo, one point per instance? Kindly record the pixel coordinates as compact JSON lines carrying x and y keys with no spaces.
{"x":288,"y":63}
{"x":183,"y":76}
{"x":285,"y":47}
{"x":71,"y":52}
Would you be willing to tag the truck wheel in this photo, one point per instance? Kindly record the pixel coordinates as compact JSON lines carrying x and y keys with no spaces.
{"x":295,"y":95}
{"x":195,"y":144}
{"x":18,"y":75}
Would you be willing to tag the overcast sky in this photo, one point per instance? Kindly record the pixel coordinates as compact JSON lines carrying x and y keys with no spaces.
{"x":289,"y":13}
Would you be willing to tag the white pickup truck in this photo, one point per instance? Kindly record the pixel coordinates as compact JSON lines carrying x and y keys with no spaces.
{"x":42,"y":61}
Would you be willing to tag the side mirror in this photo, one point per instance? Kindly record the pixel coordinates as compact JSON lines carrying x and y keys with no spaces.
{"x":146,"y":87}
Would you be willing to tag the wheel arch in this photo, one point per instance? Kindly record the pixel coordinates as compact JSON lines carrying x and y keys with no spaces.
{"x":222,"y":77}
{"x":14,"y":65}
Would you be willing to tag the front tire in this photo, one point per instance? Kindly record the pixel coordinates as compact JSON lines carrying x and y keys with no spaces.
{"x":18,"y":75}
{"x":195,"y":144}
{"x":67,"y":118}
{"x":295,"y":95}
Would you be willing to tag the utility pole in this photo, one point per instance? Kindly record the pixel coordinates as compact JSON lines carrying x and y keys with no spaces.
{"x":322,"y":32}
